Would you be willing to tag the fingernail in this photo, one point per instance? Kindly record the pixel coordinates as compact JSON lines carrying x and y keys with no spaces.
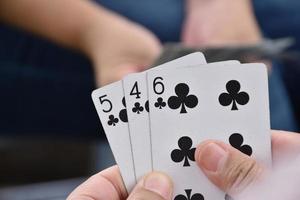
{"x":212,"y":157}
{"x":159,"y":183}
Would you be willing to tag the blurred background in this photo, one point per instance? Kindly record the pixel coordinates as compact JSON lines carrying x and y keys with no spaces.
{"x":54,"y":53}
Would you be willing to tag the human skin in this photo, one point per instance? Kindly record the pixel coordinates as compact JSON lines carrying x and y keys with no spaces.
{"x":219,"y":23}
{"x":215,"y":158}
{"x":115,"y":45}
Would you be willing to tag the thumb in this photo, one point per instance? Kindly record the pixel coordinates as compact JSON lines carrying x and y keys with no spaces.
{"x":155,"y":185}
{"x":226,"y":167}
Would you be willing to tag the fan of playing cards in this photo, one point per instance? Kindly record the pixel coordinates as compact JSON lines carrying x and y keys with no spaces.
{"x":154,"y":120}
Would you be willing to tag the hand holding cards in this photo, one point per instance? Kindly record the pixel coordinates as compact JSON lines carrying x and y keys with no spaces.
{"x":154,"y":120}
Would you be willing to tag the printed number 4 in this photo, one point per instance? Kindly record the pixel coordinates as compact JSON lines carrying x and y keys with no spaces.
{"x":135,"y":91}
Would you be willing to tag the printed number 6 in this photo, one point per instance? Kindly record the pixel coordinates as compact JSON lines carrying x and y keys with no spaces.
{"x":157,"y":83}
{"x":105,"y":100}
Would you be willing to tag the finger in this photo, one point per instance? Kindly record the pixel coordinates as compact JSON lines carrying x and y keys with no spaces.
{"x":285,"y":145}
{"x":228,"y":168}
{"x":185,"y":34}
{"x":154,"y":186}
{"x":115,"y":73}
{"x":124,"y":69}
{"x":148,"y":58}
{"x":107,"y":184}
{"x":188,"y":36}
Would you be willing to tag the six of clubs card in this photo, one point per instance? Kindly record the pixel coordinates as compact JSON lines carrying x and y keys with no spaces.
{"x":229,"y":104}
{"x":153,"y":120}
{"x":136,"y":96}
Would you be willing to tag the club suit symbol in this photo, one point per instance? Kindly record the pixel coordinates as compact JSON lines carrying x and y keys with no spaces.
{"x":185,"y":151}
{"x":160,"y":103}
{"x":236,"y":140}
{"x":147,"y":106}
{"x":112,"y":121}
{"x":189,"y":196}
{"x":123,"y":112}
{"x":233,"y":95}
{"x":137,"y":108}
{"x":182,"y":99}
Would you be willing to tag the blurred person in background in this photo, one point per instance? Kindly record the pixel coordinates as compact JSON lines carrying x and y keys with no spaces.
{"x":47,"y":87}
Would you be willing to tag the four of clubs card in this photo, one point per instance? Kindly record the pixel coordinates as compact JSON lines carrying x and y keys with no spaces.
{"x":154,"y":120}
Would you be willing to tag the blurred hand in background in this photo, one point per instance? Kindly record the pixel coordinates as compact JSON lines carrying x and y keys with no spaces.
{"x":115,"y":46}
{"x":219,"y":23}
{"x":118,"y":47}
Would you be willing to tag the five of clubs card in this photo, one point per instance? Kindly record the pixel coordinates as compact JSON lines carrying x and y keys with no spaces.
{"x":154,"y":120}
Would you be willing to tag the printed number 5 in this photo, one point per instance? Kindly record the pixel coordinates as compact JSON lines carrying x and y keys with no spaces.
{"x":102,"y":101}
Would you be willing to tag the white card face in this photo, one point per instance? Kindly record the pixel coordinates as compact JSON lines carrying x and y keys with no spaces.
{"x":136,"y":95}
{"x":110,"y":105}
{"x":225,"y":103}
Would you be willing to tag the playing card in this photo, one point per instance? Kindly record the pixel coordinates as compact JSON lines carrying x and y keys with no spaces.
{"x":111,"y":108}
{"x":188,"y":106}
{"x":136,"y":95}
